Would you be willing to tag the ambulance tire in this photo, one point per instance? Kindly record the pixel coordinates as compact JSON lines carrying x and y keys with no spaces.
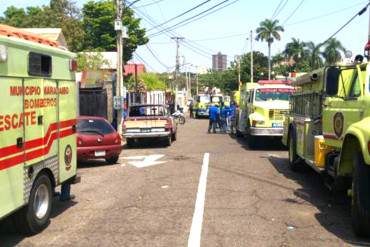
{"x":112,"y":160}
{"x":26,"y":220}
{"x":360,"y":209}
{"x":294,"y":161}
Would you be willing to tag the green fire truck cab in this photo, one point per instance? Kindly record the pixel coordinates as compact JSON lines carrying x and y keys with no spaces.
{"x":328,"y":128}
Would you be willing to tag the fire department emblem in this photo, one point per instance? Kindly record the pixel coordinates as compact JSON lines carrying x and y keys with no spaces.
{"x":338,"y":121}
{"x":68,"y":157}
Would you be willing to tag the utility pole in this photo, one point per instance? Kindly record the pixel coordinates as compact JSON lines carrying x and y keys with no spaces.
{"x":177,"y":70}
{"x":197,"y":81}
{"x":251,"y":39}
{"x":119,"y":80}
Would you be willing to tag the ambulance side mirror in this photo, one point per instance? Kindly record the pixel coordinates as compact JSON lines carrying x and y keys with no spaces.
{"x":332,"y":81}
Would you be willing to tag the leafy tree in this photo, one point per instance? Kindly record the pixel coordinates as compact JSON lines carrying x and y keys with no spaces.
{"x":98,"y":23}
{"x":332,"y":51}
{"x":90,"y":61}
{"x":295,"y":50}
{"x":150,"y":81}
{"x":260,"y":63}
{"x":314,"y":55}
{"x":268,"y":31}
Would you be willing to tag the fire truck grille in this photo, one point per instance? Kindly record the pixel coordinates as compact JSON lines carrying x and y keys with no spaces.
{"x":277,"y":114}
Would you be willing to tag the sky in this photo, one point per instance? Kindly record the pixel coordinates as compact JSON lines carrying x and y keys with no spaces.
{"x":227,"y":30}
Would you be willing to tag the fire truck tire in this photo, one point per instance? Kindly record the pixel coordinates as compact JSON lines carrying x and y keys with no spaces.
{"x":252,"y":141}
{"x":34,"y":217}
{"x":294,"y":163}
{"x":112,"y":160}
{"x":360,"y":196}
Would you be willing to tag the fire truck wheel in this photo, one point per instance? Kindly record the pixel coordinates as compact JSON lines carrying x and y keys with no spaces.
{"x":252,"y":141}
{"x":293,"y":157}
{"x":112,"y":160}
{"x":34,"y":217}
{"x":360,"y":196}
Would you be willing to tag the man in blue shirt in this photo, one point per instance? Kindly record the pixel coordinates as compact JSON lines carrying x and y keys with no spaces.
{"x":213,"y":115}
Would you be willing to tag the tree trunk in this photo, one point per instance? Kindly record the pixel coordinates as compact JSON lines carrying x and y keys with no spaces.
{"x":269,"y":58}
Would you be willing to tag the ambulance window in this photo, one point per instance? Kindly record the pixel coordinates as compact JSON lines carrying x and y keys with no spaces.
{"x":39,"y":65}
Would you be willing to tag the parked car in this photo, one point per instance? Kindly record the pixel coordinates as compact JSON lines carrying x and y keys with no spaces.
{"x":97,"y":139}
{"x":149,"y":121}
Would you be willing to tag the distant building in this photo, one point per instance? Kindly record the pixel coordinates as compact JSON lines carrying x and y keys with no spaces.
{"x":219,"y":62}
{"x":54,"y":34}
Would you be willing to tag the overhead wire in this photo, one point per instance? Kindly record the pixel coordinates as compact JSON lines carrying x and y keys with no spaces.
{"x":149,"y":4}
{"x":144,"y":62}
{"x":294,"y":11}
{"x":363,"y":10}
{"x":155,"y":56}
{"x":189,"y":20}
{"x":281,"y":9}
{"x":276,"y":9}
{"x":179,"y":15}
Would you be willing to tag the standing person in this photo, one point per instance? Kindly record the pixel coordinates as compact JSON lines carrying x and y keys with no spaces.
{"x":213,"y":113}
{"x":191,"y":109}
{"x":232,"y":116}
{"x":227,"y":122}
{"x":220,"y":118}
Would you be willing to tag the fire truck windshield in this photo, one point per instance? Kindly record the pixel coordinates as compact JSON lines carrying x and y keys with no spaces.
{"x":270,"y":94}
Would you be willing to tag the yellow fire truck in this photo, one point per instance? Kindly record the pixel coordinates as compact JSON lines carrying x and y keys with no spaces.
{"x":38,"y":114}
{"x":328,"y":129}
{"x":262,"y":109}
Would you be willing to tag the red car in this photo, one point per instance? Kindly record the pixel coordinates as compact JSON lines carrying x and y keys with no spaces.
{"x":97,"y":139}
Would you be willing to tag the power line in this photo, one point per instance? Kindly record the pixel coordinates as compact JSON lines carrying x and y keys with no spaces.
{"x":294,"y":11}
{"x":132,"y":3}
{"x":182,"y":14}
{"x":190,"y":18}
{"x":156,"y":58}
{"x":144,"y":62}
{"x":200,"y":17}
{"x":148,"y":4}
{"x":277,"y":7}
{"x":325,"y":15}
{"x":363,"y":10}
{"x":281,"y":9}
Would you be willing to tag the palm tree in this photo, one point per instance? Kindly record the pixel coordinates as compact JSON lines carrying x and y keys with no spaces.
{"x":314,"y":55}
{"x":332,"y":51}
{"x":295,"y":50}
{"x":268,"y":31}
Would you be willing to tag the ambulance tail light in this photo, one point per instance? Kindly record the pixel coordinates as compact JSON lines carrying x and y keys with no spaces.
{"x":3,"y":53}
{"x":73,"y":65}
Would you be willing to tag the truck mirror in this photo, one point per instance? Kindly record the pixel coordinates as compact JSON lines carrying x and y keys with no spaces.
{"x":332,"y":81}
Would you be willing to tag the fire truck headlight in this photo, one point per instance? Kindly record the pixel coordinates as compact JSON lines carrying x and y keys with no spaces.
{"x":3,"y":53}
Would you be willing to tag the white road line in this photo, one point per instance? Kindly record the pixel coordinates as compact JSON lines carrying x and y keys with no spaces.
{"x":196,"y":225}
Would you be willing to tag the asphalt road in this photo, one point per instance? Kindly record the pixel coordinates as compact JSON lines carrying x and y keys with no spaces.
{"x":251,"y":199}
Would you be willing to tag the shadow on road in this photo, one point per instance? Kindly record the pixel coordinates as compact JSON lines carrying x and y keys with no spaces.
{"x":263,"y":143}
{"x":8,"y":233}
{"x":149,"y":143}
{"x":334,"y":209}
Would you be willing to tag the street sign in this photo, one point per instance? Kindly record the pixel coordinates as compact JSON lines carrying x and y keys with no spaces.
{"x":118,"y":102}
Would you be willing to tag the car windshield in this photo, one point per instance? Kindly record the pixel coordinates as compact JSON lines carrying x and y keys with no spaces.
{"x":204,"y":99}
{"x":270,"y":94}
{"x":145,"y":111}
{"x":94,"y":126}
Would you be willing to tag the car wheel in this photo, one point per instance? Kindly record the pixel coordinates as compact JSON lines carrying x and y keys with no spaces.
{"x":112,"y":160}
{"x":360,"y":196}
{"x":129,"y":143}
{"x":294,"y":162}
{"x":169,"y":141}
{"x":34,"y":217}
{"x":174,"y":136}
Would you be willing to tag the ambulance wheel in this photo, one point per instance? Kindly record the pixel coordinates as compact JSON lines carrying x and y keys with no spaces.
{"x":360,"y":196}
{"x":34,"y":217}
{"x":112,"y":160}
{"x":294,"y":162}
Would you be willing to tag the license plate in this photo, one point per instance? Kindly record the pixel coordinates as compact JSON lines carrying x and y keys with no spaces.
{"x":99,"y":153}
{"x":277,"y":125}
{"x":145,"y":130}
